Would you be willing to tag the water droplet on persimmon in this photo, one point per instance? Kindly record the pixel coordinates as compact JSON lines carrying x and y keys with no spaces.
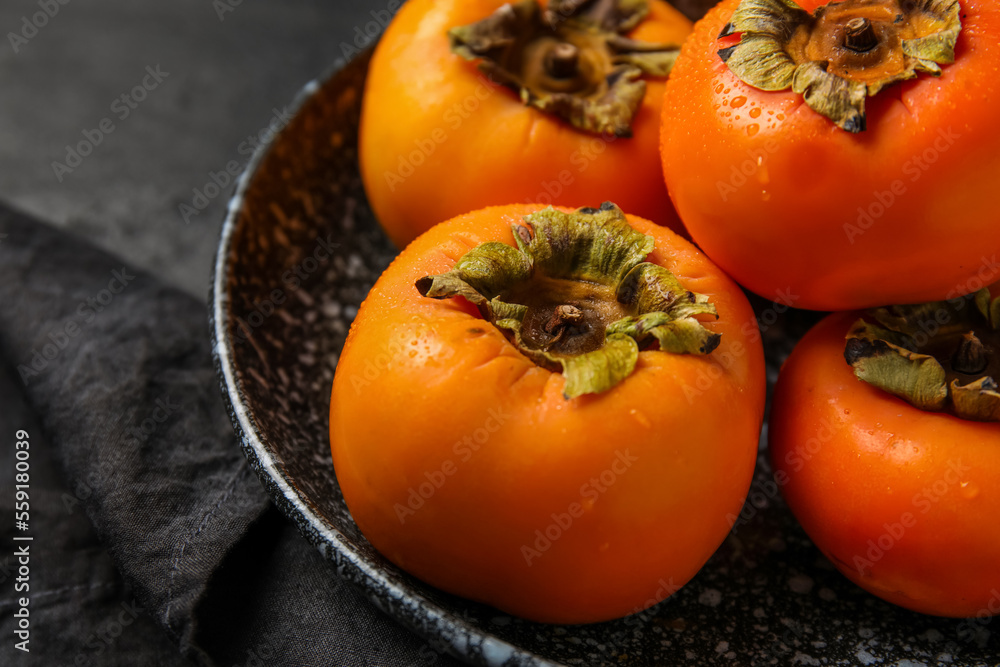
{"x":969,"y":490}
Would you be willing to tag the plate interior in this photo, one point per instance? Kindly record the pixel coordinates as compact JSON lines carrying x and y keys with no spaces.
{"x":300,"y":250}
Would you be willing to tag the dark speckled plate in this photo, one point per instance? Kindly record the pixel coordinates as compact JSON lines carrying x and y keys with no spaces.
{"x":299,"y":251}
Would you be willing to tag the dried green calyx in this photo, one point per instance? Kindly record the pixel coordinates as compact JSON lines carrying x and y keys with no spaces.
{"x":571,"y":60}
{"x":577,"y":296}
{"x":843,"y":52}
{"x":940,"y":356}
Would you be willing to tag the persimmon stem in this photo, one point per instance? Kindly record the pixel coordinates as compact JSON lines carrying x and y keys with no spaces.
{"x":971,"y":356}
{"x":843,"y":52}
{"x":571,"y":59}
{"x":563,"y":61}
{"x":562,"y":317}
{"x":859,"y":35}
{"x":953,"y":370}
{"x":577,"y":295}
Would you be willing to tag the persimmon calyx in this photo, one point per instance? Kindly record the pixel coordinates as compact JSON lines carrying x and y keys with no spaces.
{"x":577,"y":296}
{"x":939,"y":356}
{"x":571,"y":60}
{"x":842,"y":53}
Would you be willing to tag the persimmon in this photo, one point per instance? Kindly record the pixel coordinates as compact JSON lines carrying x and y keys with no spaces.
{"x":549,"y":412}
{"x":884,"y":435}
{"x":847,"y":155}
{"x":474,"y":103}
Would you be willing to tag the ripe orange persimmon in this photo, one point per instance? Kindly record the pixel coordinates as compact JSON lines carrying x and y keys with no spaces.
{"x":902,"y":500}
{"x":461,"y":457}
{"x":439,"y":137}
{"x":847,"y":201}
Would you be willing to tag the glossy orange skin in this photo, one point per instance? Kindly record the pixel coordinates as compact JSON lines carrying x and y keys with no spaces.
{"x":422,"y":382}
{"x":794,"y":224}
{"x":438,"y":139}
{"x":904,"y":502}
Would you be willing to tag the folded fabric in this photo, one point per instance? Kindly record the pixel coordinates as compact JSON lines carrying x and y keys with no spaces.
{"x":115,"y":369}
